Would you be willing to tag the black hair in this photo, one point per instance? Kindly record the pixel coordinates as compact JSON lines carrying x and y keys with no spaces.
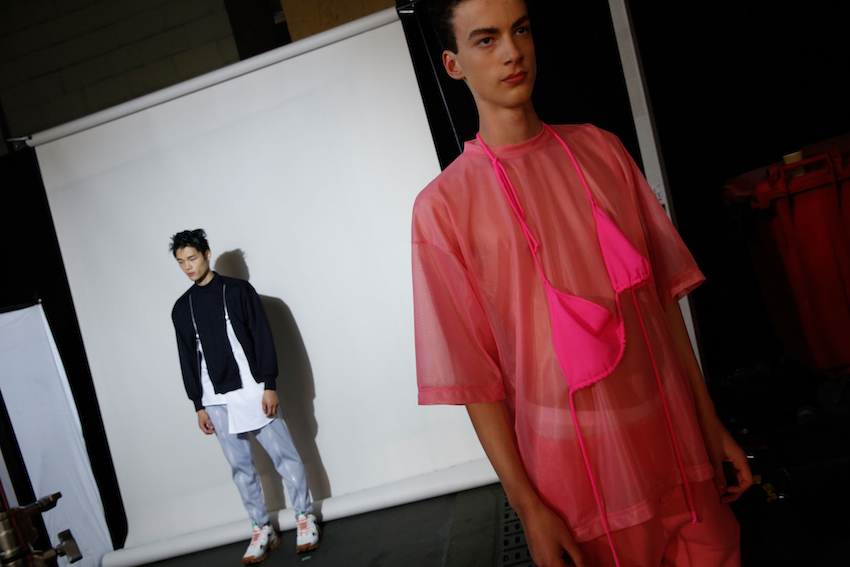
{"x":197,"y":239}
{"x":441,"y":13}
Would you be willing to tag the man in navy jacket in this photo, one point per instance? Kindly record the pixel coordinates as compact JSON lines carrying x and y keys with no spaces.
{"x":229,"y":367}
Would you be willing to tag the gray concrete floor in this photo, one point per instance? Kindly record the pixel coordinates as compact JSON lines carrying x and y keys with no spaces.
{"x":458,"y":530}
{"x":477,"y":528}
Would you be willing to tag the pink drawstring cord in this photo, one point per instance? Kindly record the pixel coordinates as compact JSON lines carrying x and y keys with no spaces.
{"x":596,"y":493}
{"x":666,"y":412}
{"x":513,"y":199}
{"x":648,"y":347}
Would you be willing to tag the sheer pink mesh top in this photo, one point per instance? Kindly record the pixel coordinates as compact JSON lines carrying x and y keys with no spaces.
{"x":483,"y":330}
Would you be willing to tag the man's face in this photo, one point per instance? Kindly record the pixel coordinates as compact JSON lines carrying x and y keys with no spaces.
{"x":495,"y":52}
{"x":194,"y":264}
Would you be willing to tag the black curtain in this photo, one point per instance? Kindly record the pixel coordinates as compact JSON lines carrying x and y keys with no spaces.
{"x":32,"y":270}
{"x":734,"y":87}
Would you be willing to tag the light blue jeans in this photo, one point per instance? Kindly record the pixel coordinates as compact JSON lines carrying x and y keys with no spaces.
{"x":277,"y":442}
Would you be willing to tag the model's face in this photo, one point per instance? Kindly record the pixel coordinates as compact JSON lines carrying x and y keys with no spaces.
{"x":194,"y":264}
{"x":495,"y":52}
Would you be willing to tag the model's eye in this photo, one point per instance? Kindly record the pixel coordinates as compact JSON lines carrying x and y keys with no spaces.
{"x":485,"y":41}
{"x":523,"y":30}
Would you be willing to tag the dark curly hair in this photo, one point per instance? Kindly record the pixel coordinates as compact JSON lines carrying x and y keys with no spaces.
{"x":197,"y":239}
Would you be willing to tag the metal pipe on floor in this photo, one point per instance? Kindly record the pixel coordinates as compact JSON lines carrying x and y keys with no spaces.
{"x":439,"y":483}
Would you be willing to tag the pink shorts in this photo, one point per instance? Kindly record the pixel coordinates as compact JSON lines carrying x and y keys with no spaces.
{"x":669,"y":538}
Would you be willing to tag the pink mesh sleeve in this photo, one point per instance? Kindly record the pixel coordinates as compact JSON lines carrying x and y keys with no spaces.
{"x":455,"y":350}
{"x":674,"y":268}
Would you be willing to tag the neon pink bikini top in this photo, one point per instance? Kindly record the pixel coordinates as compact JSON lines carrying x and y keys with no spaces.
{"x":589,"y":340}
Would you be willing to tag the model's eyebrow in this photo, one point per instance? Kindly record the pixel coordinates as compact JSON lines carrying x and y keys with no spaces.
{"x":490,"y":31}
{"x":482,"y":31}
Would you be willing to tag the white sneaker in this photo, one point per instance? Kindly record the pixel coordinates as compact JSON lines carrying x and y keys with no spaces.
{"x":263,"y":540}
{"x":307,"y":533}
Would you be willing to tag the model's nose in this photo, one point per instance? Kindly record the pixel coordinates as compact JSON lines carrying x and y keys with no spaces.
{"x":512,"y":54}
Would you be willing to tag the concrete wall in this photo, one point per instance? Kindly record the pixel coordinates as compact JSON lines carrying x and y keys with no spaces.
{"x":64,"y":59}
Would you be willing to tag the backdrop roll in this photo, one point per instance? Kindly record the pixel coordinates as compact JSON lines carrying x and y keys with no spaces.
{"x":303,"y":172}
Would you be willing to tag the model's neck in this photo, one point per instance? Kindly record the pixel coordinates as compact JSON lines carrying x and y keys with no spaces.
{"x":207,"y":279}
{"x":506,"y":126}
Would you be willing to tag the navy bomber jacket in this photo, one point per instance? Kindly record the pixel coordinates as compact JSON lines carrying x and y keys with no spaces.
{"x":249,"y":323}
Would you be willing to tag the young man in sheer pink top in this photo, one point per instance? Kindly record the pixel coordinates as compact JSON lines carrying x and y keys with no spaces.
{"x":546,"y":278}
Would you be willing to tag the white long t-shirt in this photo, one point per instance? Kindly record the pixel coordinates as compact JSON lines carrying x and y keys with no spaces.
{"x":245,"y":405}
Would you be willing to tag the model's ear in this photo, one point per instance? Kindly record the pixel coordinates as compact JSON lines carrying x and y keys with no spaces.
{"x":452,"y":65}
{"x":208,"y":254}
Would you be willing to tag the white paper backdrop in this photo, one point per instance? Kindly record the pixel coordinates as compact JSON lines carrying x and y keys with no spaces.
{"x":309,"y":167}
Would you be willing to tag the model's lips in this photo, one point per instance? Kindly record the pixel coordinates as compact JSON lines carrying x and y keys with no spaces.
{"x":515,"y":78}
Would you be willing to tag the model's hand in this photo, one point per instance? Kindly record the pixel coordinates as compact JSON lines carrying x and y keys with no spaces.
{"x":204,"y":422}
{"x":270,"y":403}
{"x":719,"y":443}
{"x":721,"y":446}
{"x":548,"y":539}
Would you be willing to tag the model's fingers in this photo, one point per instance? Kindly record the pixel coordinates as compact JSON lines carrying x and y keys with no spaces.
{"x":553,"y":561}
{"x":745,"y":483}
{"x":740,"y":475}
{"x":745,"y":475}
{"x":734,"y":492}
{"x":575,"y":555}
{"x":549,"y":554}
{"x":730,"y":497}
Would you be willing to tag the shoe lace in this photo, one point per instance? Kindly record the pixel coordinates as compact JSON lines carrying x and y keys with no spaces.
{"x":256,"y":536}
{"x":303,"y":526}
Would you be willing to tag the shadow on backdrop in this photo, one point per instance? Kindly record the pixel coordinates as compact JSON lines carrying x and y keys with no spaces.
{"x":295,"y":388}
